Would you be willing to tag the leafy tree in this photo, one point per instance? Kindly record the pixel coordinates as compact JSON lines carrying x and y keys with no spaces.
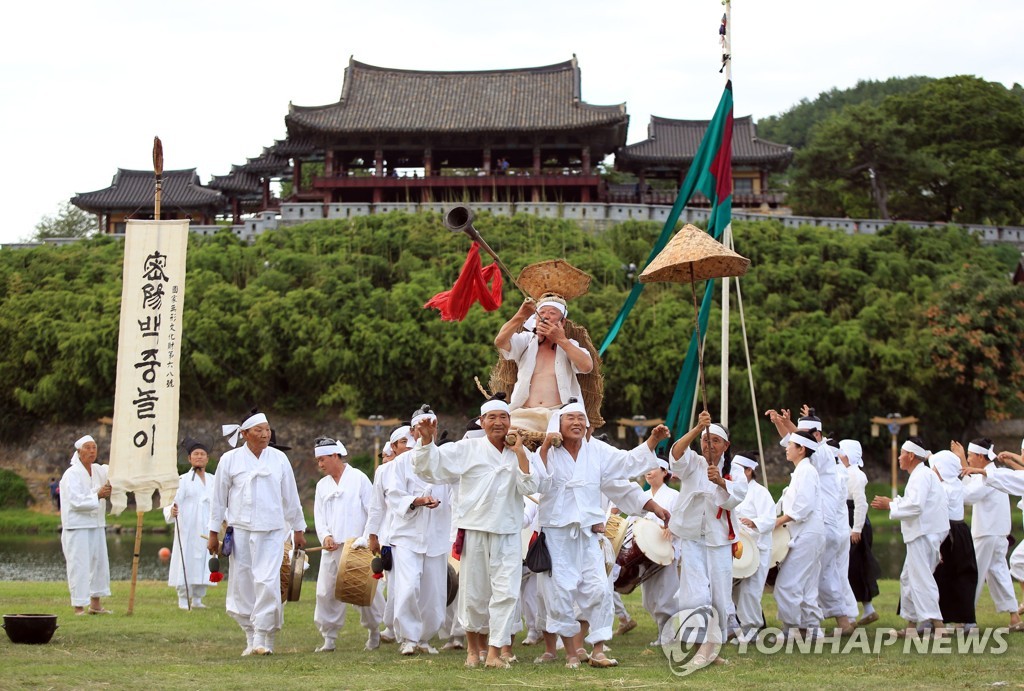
{"x":794,"y":126}
{"x":950,"y":151}
{"x":68,"y":222}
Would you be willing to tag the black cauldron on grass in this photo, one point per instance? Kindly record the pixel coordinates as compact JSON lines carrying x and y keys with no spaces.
{"x":34,"y":629}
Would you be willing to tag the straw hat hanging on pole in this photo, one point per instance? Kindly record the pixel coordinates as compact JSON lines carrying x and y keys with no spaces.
{"x":690,"y":256}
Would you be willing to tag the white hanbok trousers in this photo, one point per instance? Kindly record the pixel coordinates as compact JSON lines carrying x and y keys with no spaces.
{"x":834,"y":580}
{"x":329,"y":613}
{"x":1017,"y":562}
{"x":85,"y":550}
{"x":389,"y":598}
{"x":421,"y":588}
{"x":660,"y":594}
{"x":796,"y":587}
{"x":575,"y":580}
{"x":990,"y":551}
{"x":254,"y":582}
{"x":528,"y":597}
{"x":490,"y":576}
{"x":919,"y":595}
{"x":705,"y":578}
{"x":452,"y":628}
{"x":746,"y":596}
{"x":195,"y":591}
{"x":617,"y":604}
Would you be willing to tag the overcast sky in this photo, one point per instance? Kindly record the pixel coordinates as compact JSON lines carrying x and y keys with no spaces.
{"x":84,"y":86}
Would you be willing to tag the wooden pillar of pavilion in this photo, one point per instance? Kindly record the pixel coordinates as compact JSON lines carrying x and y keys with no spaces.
{"x":535,"y":190}
{"x":428,"y":163}
{"x":296,"y":175}
{"x":329,"y":163}
{"x":266,"y":193}
{"x":378,"y":163}
{"x":487,"y":161}
{"x":236,"y":211}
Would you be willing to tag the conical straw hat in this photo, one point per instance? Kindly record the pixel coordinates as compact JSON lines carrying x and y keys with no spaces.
{"x":693,"y":249}
{"x":554,"y":276}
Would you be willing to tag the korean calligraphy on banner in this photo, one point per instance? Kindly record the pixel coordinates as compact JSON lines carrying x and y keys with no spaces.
{"x":143,"y":448}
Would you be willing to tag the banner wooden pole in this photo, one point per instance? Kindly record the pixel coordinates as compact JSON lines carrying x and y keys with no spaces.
{"x":135,"y":562}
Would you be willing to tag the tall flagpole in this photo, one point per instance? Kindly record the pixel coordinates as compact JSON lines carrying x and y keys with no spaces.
{"x":726,"y":233}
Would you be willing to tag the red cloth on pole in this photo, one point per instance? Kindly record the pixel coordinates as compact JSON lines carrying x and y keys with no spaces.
{"x":471,"y":286}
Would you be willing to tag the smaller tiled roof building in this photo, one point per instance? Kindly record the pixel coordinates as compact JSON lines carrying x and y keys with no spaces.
{"x":131,"y":196}
{"x":672,"y":144}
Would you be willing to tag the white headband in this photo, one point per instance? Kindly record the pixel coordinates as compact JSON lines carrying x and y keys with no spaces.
{"x":717,"y":430}
{"x":744,"y":462}
{"x":551,"y":303}
{"x":331,"y":449}
{"x":663,"y":464}
{"x":233,"y":430}
{"x":915,"y":449}
{"x":851,"y":448}
{"x":982,"y":451}
{"x":809,"y":424}
{"x":555,"y":421}
{"x":417,"y":419}
{"x":402,"y":433}
{"x":387,"y":450}
{"x":804,"y":441}
{"x":83,"y":441}
{"x":495,"y":404}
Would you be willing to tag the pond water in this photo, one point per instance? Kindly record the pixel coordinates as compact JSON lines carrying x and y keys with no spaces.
{"x":40,"y":558}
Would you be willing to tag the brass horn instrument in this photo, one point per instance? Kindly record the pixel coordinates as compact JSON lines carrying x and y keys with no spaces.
{"x":459,"y":219}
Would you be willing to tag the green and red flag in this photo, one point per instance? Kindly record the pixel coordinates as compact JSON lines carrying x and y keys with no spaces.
{"x":710,"y":173}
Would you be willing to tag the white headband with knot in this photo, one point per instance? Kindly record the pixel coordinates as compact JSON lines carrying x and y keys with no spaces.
{"x":387,"y":450}
{"x":744,"y":462}
{"x":806,"y":424}
{"x":331,"y":449}
{"x":557,"y":305}
{"x":422,"y":417}
{"x":915,"y":449}
{"x":233,"y":430}
{"x":402,"y":433}
{"x":555,"y":421}
{"x":78,"y":445}
{"x":717,"y":430}
{"x":495,"y":404}
{"x":804,"y":441}
{"x":990,"y":452}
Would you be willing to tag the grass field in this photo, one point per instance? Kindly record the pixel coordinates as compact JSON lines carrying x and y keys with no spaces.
{"x":161,"y":647}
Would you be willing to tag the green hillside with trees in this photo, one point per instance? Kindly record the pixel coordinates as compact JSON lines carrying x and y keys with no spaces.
{"x":327,"y":319}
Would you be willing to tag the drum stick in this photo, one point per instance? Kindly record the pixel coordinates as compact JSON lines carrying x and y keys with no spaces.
{"x":533,"y":499}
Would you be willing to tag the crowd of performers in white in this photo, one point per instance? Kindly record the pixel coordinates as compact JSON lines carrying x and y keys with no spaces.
{"x":476,"y":504}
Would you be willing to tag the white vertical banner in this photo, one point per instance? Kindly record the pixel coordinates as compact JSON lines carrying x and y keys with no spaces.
{"x":144,"y":440}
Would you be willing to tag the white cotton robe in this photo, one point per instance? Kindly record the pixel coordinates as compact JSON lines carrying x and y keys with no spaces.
{"x":759,"y":507}
{"x":259,"y":500}
{"x":490,"y":510}
{"x":339,"y":512}
{"x":190,"y":561}
{"x":796,"y":588}
{"x":701,"y":519}
{"x":990,"y":524}
{"x":570,"y":505}
{"x":924,"y":522}
{"x":420,"y":542}
{"x":83,"y":532}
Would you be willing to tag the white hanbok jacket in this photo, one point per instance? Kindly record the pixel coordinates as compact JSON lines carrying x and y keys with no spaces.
{"x":340,"y":508}
{"x":256,"y":494}
{"x":700,"y":509}
{"x":79,"y":505}
{"x":491,"y":485}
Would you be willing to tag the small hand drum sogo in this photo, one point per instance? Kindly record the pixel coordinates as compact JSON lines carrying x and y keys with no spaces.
{"x":644,"y":552}
{"x":356,"y":584}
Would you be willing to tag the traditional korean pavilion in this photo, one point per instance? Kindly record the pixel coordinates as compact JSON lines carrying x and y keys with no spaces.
{"x":131,"y":196}
{"x":416,"y":136}
{"x":671,"y":146}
